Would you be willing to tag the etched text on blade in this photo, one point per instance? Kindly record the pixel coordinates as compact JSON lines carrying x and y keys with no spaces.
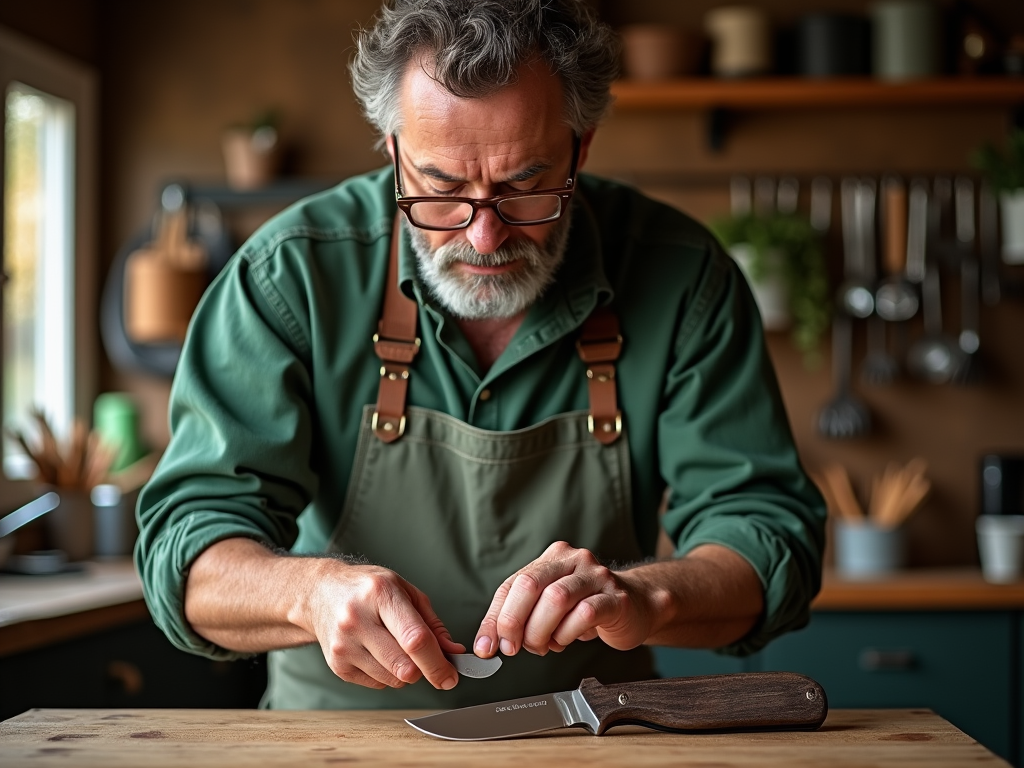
{"x":500,"y":720}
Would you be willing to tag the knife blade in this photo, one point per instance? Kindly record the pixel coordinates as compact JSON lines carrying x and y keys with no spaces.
{"x":754,"y":701}
{"x":471,"y":665}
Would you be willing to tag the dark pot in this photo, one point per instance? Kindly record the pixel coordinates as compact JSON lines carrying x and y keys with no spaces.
{"x":833,"y":45}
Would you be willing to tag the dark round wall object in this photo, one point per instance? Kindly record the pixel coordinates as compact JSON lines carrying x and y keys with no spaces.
{"x":126,"y":354}
{"x":833,"y":45}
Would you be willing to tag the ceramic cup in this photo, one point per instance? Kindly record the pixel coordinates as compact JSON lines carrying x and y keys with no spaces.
{"x":865,"y":551}
{"x":905,"y":39}
{"x":659,"y":51}
{"x":1001,"y":546}
{"x":741,"y":41}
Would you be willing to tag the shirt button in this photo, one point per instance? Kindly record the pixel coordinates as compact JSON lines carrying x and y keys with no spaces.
{"x":485,"y":395}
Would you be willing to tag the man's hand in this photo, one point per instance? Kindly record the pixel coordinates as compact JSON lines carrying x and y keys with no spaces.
{"x":562,"y":596}
{"x":375,"y":628}
{"x":378,"y":630}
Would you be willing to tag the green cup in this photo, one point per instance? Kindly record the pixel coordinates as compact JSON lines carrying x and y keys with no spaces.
{"x":116,"y":420}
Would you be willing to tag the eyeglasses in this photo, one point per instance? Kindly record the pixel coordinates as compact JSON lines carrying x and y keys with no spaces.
{"x":518,"y":209}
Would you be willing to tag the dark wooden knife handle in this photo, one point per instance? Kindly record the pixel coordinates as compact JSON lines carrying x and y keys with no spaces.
{"x":755,"y":701}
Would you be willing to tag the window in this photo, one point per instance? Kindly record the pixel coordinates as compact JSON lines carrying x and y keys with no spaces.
{"x":47,"y":309}
{"x":38,"y":258}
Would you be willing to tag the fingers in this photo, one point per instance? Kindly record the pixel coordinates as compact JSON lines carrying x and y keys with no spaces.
{"x":564,"y":595}
{"x":415,"y":626}
{"x":582,"y":622}
{"x":377,"y":630}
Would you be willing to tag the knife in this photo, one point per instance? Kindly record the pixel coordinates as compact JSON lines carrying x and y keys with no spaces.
{"x":749,"y":701}
{"x":471,"y":665}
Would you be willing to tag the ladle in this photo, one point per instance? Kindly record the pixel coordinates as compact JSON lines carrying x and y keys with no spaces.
{"x":896,"y":298}
{"x":856,"y":295}
{"x":969,"y":369}
{"x":879,"y":368}
{"x":934,"y":357}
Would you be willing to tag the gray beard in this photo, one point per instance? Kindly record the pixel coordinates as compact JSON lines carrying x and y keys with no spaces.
{"x":478,"y":297}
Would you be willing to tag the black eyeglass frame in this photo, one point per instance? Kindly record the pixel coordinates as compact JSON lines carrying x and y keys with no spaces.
{"x":563,"y":193}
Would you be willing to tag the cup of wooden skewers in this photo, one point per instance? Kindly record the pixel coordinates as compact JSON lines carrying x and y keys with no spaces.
{"x":72,"y":468}
{"x":872,"y":543}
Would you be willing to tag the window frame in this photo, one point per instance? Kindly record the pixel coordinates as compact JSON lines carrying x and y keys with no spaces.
{"x":25,"y":61}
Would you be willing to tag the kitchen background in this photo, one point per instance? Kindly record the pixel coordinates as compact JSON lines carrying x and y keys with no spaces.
{"x":172,"y":80}
{"x":173,"y":77}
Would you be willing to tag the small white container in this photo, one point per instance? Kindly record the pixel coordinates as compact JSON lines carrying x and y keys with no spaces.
{"x":741,"y":41}
{"x":1001,"y":546}
{"x":1012,"y":204}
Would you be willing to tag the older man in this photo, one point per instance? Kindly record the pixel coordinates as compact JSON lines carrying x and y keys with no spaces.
{"x":402,"y":431}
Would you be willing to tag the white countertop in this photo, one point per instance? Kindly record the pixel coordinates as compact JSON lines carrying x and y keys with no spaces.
{"x":99,"y":584}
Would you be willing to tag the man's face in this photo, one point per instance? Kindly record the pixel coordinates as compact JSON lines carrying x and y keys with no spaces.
{"x":513,"y":140}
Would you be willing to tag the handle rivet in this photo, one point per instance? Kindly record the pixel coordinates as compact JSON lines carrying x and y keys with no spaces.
{"x":623,"y":698}
{"x":812,"y":695}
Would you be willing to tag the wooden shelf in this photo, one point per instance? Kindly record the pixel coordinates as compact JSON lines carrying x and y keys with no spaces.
{"x":789,"y":93}
{"x":953,"y":589}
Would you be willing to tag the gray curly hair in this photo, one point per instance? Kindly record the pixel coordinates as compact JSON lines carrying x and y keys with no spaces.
{"x":475,"y":48}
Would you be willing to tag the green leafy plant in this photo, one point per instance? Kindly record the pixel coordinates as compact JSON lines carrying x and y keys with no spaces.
{"x":1005,"y":170}
{"x":802,"y":269}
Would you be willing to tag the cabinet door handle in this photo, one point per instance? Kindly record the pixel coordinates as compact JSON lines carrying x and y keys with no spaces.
{"x":879,"y":660}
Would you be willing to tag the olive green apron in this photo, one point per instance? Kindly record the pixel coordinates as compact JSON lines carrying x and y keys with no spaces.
{"x":455,"y":510}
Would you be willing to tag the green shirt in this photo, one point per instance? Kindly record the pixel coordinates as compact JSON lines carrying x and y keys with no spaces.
{"x":279,"y":362}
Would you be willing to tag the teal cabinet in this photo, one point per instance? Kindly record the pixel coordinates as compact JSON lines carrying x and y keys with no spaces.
{"x":965,"y":665}
{"x":962,"y":665}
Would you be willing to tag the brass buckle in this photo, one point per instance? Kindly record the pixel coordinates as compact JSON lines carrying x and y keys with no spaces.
{"x":606,"y":427}
{"x":387,"y":426}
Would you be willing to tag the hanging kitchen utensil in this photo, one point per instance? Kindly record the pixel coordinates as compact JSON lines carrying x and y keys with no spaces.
{"x":764,"y":196}
{"x":856,"y":295}
{"x":787,"y":196}
{"x":878,"y":367}
{"x":934,"y":357}
{"x":896,"y":298}
{"x":988,"y":242}
{"x":969,"y":370}
{"x":740,"y":196}
{"x":844,"y":416}
{"x":821,"y":204}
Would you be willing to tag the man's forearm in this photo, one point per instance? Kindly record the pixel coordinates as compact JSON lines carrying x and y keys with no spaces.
{"x":710,"y":598}
{"x":245,"y":598}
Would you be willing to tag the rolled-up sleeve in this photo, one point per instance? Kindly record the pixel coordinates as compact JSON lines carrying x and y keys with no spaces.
{"x":238,"y":463}
{"x":728,"y":455}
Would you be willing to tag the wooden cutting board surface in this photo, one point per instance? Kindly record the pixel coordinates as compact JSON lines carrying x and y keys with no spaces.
{"x":228,"y":738}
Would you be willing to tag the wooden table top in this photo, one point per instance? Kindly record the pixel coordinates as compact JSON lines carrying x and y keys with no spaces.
{"x":225,"y":738}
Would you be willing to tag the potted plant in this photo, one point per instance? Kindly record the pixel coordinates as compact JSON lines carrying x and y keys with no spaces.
{"x":251,"y":151}
{"x":781,"y":257}
{"x":1005,"y":171}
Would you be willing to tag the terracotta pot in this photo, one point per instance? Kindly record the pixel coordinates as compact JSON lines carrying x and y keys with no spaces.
{"x":250,"y":157}
{"x":660,"y":51}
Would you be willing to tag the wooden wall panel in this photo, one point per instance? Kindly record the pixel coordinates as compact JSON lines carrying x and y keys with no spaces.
{"x":174,"y":76}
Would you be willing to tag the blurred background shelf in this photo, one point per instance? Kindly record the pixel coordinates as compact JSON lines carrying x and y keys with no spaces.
{"x":788,"y":93}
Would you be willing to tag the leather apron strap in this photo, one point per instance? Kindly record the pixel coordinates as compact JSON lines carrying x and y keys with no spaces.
{"x":397,"y":344}
{"x":599,"y":346}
